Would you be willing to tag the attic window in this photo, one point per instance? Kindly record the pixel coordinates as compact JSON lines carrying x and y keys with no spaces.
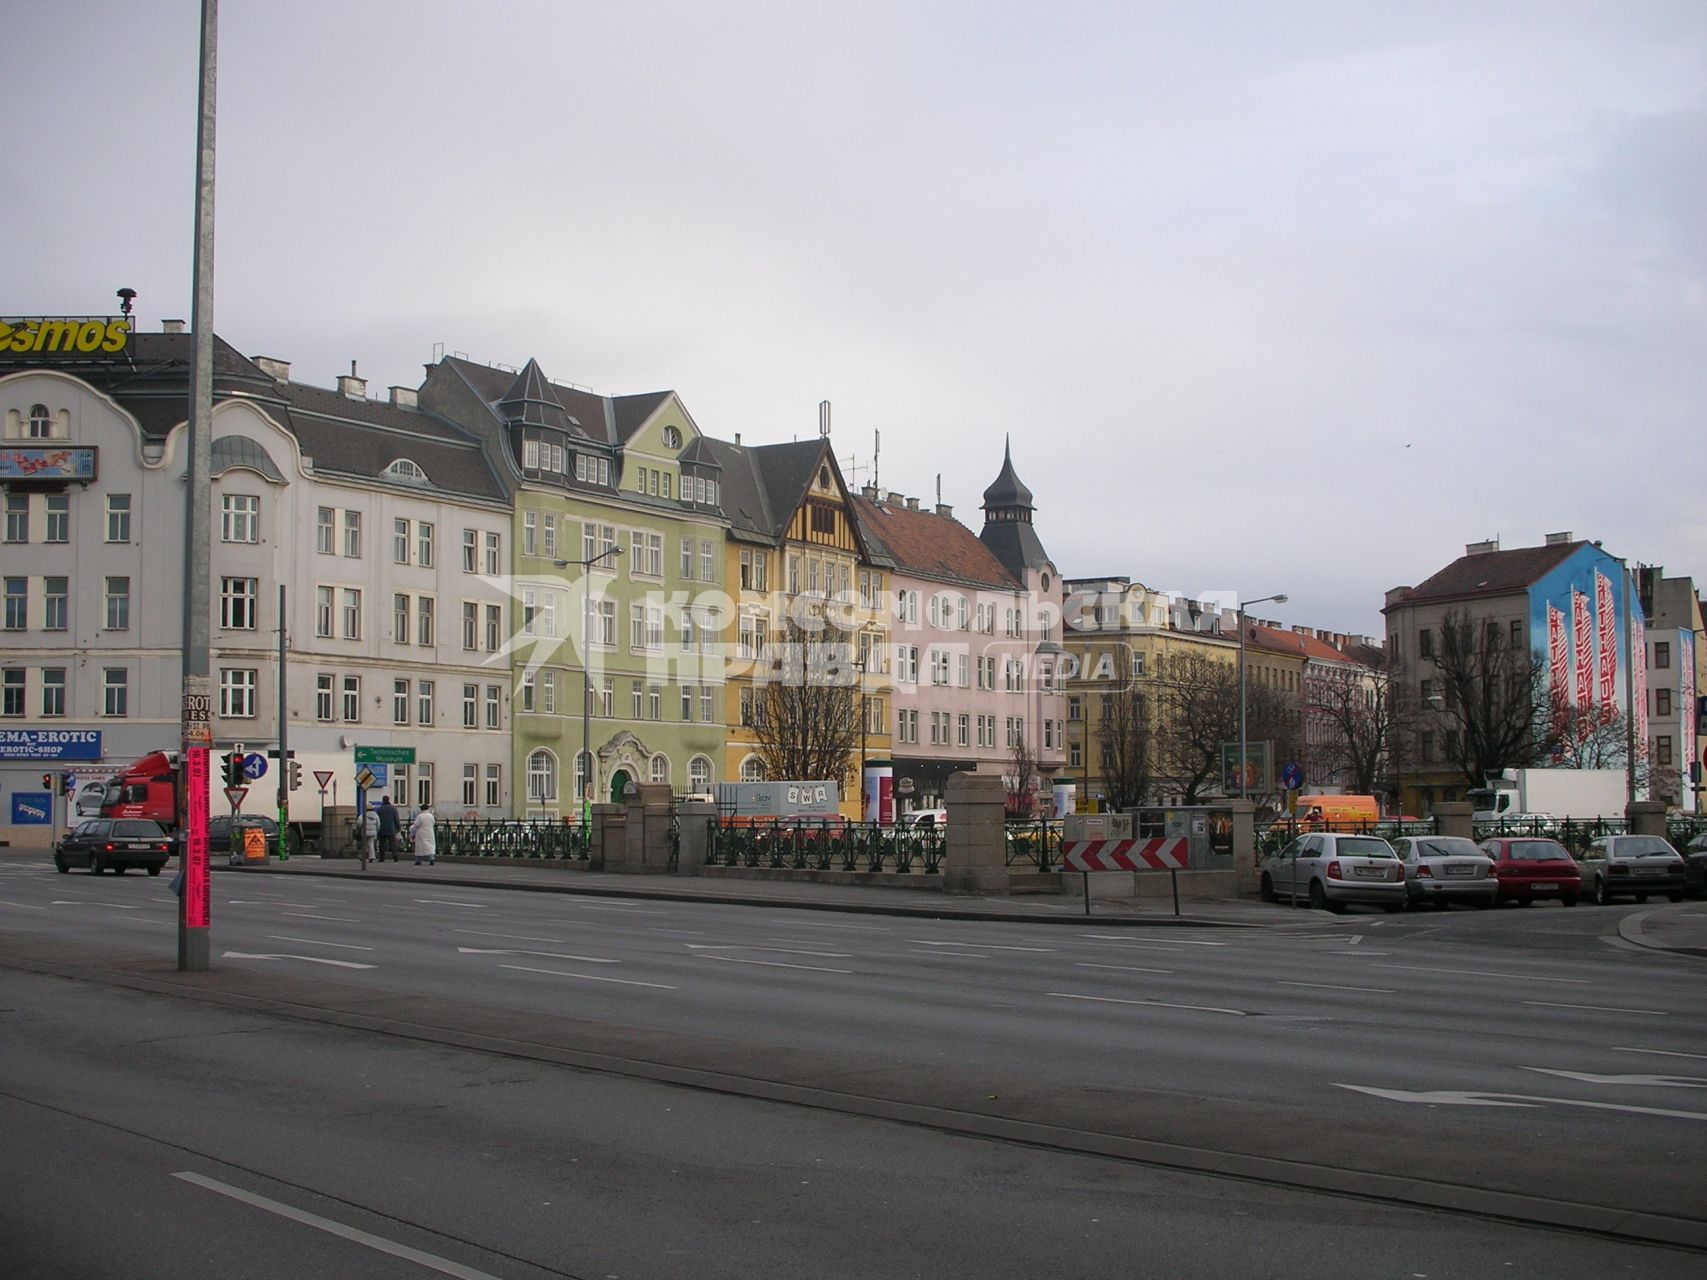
{"x":405,"y":469}
{"x":823,"y":477}
{"x":672,"y":438}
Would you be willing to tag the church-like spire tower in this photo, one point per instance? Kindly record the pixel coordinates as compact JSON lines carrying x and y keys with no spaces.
{"x":1008,"y":530}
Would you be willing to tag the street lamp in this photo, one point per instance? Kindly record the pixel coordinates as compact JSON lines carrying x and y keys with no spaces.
{"x":586,"y":778}
{"x":1244,"y":747}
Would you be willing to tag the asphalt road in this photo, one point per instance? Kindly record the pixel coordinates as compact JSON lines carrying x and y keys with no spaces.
{"x":1497,"y":1057}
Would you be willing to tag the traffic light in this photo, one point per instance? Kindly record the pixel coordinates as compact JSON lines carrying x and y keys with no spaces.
{"x":295,"y":775}
{"x":233,"y":768}
{"x":47,"y":781}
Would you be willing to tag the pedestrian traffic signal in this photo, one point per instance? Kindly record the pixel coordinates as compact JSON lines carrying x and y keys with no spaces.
{"x":295,"y":775}
{"x":47,"y":781}
{"x":233,"y":768}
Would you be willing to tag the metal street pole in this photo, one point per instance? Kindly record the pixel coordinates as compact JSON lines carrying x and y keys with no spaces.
{"x":284,"y":735}
{"x":195,"y":904}
{"x":584,"y":763}
{"x":1244,"y":745}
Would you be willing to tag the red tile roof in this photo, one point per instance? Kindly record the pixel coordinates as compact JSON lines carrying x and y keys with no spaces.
{"x":932,"y":546}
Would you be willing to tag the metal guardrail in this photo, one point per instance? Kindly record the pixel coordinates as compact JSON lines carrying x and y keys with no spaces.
{"x":511,"y":838}
{"x":1036,"y":842}
{"x":828,"y":846}
{"x":1278,"y":835}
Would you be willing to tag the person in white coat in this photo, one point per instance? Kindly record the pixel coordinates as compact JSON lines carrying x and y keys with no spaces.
{"x":421,"y":832}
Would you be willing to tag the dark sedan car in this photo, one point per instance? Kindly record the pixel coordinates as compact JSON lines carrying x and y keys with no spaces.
{"x":1528,"y":868}
{"x":1695,"y":867}
{"x":119,"y":843}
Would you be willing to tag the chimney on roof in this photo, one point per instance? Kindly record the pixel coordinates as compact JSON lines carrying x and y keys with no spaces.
{"x":895,"y":499}
{"x":869,"y":491}
{"x":277,"y":370}
{"x":912,"y":504}
{"x":737,"y":437}
{"x":1482,"y":548}
{"x":171,"y":326}
{"x":1559,"y":539}
{"x":945,"y":511}
{"x":351,"y":385}
{"x":404,"y":398}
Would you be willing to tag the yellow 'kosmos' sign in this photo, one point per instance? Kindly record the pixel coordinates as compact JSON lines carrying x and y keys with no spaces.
{"x":63,"y":336}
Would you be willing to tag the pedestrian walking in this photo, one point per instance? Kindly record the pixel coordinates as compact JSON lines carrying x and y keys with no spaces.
{"x":390,"y":826}
{"x":370,"y":834}
{"x":422,"y":833}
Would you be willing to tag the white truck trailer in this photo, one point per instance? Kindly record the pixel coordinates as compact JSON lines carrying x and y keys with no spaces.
{"x":1557,"y":793}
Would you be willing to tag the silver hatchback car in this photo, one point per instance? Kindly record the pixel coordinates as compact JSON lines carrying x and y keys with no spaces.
{"x":1441,"y":870}
{"x":1330,"y":869}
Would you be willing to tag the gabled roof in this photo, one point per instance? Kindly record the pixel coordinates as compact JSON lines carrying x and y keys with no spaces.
{"x":742,"y":488}
{"x":1489,"y":573}
{"x":631,"y":412}
{"x":1292,"y":644}
{"x":787,"y":471}
{"x":927,"y":545}
{"x":531,"y":402}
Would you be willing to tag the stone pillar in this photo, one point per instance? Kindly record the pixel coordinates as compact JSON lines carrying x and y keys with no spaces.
{"x":1452,"y":818}
{"x":653,"y":805}
{"x":695,"y":818}
{"x":1244,"y":845}
{"x":610,"y":838}
{"x":1646,"y":818}
{"x":977,"y":860}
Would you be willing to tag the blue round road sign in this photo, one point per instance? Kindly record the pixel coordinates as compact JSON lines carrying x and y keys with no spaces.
{"x":1292,"y":775}
{"x":254,"y":766}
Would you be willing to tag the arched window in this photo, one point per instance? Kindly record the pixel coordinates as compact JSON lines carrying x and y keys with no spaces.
{"x":406,"y":469}
{"x":752,"y":769}
{"x":672,"y":438}
{"x":542,"y":777}
{"x":41,"y":422}
{"x":699,"y":775}
{"x":659,"y":770}
{"x":583,"y":776}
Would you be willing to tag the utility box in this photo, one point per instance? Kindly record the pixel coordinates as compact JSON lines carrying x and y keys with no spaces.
{"x":1097,"y":826}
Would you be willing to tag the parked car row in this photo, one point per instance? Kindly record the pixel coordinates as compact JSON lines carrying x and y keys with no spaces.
{"x":1331,"y":870}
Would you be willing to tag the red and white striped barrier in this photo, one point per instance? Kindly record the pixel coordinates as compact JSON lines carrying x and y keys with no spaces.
{"x":1160,"y":854}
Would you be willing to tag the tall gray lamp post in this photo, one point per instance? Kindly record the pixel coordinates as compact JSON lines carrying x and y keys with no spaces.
{"x":584,"y":764}
{"x":1244,"y":746}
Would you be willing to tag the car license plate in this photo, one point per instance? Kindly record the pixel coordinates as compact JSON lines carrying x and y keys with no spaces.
{"x":1545,"y":885}
{"x":1649,"y":871}
{"x":1460,"y":871}
{"x":1370,"y":873}
{"x":135,"y":848}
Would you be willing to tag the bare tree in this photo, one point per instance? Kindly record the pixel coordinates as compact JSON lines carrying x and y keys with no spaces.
{"x":806,"y":707}
{"x":1200,"y":715}
{"x":1495,"y":700}
{"x":1595,"y":736}
{"x":1125,"y":746}
{"x":1021,"y":782}
{"x":1353,"y":714}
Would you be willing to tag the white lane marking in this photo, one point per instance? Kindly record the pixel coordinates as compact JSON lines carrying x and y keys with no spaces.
{"x":588,"y":977}
{"x":1154,"y":1004}
{"x":1325,"y":986}
{"x":787,"y":951}
{"x":1172,"y":942}
{"x":25,"y":906}
{"x":316,"y":942}
{"x":961,"y":955}
{"x":1653,"y":1082}
{"x":1354,"y":939}
{"x":450,"y":902}
{"x":307,"y":915}
{"x":342,"y":964}
{"x":773,"y":964}
{"x":1466,"y":1098}
{"x":1664,"y":1053}
{"x":84,"y":902}
{"x":852,"y":928}
{"x":432,"y":1261}
{"x":1596,"y":1008}
{"x":514,"y":937}
{"x":985,"y":946}
{"x":269,"y":902}
{"x":605,"y":906}
{"x":1124,"y":968}
{"x":1484,"y":973}
{"x":1360,"y":953}
{"x":549,"y":955}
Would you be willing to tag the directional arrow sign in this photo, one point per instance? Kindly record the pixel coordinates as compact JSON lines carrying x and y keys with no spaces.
{"x":341,"y":964}
{"x":234,"y":796}
{"x":554,"y":955}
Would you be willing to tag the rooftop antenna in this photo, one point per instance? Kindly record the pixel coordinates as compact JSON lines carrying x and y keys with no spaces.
{"x":823,"y":417}
{"x":939,"y":488}
{"x":876,"y":452}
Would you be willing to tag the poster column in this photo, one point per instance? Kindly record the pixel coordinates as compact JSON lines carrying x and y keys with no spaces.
{"x":1064,"y":792}
{"x":879,"y":792}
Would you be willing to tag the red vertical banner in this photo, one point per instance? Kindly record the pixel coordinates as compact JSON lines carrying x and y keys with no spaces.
{"x":1558,"y":655}
{"x":197,"y":897}
{"x":1639,"y":673}
{"x":1582,"y":627}
{"x":1606,"y":615}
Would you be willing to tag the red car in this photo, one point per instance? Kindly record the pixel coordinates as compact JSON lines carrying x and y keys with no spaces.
{"x":1528,"y":868}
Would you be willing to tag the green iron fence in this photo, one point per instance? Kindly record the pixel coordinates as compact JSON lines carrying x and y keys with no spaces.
{"x":512,"y":838}
{"x":1277,"y":835}
{"x":821,"y":845}
{"x":1034,"y":843}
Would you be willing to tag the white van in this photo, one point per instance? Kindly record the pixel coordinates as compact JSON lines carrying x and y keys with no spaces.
{"x":925,"y":818}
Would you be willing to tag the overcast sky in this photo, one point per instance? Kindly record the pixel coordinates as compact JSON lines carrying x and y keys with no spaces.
{"x":1269,"y":297}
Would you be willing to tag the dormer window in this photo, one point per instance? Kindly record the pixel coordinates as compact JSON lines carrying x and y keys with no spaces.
{"x":672,"y":438}
{"x":406,"y":469}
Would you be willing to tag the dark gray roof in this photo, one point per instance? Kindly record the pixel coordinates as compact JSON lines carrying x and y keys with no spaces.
{"x":241,"y":451}
{"x":1016,"y":544}
{"x":531,"y":402}
{"x":631,"y":412}
{"x":786,"y":471}
{"x":745,"y":502}
{"x":1007,"y":490}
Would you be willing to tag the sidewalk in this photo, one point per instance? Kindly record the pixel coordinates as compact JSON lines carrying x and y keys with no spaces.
{"x":1681,"y":928}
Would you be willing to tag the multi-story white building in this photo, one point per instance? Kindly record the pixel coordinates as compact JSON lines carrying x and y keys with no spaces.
{"x":387,"y":528}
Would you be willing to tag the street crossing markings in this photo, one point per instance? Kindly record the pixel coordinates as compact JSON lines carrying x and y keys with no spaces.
{"x":1639,"y":1082}
{"x":1596,"y":1008}
{"x":432,"y":1261}
{"x":341,"y":964}
{"x":589,"y":977}
{"x":1467,"y":1098}
{"x":1324,"y":986}
{"x":1153,"y":1004}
